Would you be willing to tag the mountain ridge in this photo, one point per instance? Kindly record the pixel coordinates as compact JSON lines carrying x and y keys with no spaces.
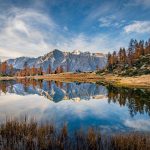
{"x":70,"y":61}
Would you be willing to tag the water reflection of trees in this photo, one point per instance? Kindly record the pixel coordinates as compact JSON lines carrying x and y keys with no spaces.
{"x":137,"y":100}
{"x":4,"y":86}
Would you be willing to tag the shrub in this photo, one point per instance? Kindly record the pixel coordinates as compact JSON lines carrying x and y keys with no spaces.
{"x":26,"y":134}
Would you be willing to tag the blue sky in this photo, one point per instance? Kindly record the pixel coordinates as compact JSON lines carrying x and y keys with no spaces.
{"x":35,"y":27}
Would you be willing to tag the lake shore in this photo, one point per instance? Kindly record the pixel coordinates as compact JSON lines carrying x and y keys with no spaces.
{"x":27,"y":134}
{"x":91,"y":77}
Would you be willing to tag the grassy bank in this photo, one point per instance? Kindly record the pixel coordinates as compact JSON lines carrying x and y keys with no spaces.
{"x":63,"y":77}
{"x":134,"y":81}
{"x":29,"y":135}
{"x":131,"y":82}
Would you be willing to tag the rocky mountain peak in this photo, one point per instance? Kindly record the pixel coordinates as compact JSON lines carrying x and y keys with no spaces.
{"x":57,"y":54}
{"x":69,"y":61}
{"x":77,"y":52}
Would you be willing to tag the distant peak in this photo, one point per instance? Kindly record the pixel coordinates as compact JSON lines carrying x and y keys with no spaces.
{"x":77,"y":52}
{"x":52,"y":52}
{"x":57,"y":50}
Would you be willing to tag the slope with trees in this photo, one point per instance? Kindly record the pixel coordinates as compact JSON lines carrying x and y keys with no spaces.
{"x":6,"y":70}
{"x":132,"y":61}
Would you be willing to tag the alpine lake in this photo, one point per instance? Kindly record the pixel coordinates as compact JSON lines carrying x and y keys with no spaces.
{"x":79,"y":105}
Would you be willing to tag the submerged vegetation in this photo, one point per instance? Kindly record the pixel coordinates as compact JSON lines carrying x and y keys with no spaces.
{"x":27,"y":134}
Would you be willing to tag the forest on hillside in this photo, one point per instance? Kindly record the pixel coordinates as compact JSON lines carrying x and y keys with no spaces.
{"x":9,"y":70}
{"x":132,"y":61}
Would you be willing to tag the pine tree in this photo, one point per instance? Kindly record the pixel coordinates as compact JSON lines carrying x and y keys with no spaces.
{"x":33,"y":71}
{"x":61,"y":69}
{"x":4,"y":68}
{"x":57,"y":70}
{"x":146,"y":48}
{"x":49,"y":69}
{"x":124,"y":56}
{"x":11,"y":69}
{"x":120,"y":56}
{"x":109,"y":59}
{"x":114,"y":58}
{"x":141,"y":48}
{"x":0,"y":67}
{"x":40,"y":71}
{"x":130,"y":54}
{"x":24,"y":73}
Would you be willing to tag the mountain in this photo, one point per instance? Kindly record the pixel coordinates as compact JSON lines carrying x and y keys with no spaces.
{"x":75,"y":61}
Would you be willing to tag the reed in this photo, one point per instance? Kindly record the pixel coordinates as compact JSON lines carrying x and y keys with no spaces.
{"x":25,"y":134}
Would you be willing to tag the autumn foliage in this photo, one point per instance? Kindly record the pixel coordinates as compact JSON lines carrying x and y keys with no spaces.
{"x":26,"y":134}
{"x":59,"y":69}
{"x":32,"y":71}
{"x":27,"y":71}
{"x":6,"y":69}
{"x":127,"y":57}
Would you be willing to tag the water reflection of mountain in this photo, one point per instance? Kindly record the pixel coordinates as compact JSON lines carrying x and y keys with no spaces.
{"x":56,"y":91}
{"x":136,"y":100}
{"x":122,"y":109}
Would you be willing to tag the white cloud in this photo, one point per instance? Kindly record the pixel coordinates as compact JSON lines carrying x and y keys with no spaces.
{"x":110,"y":21}
{"x":23,"y":35}
{"x":31,"y":33}
{"x":140,"y":124}
{"x":3,"y":58}
{"x":138,"y":27}
{"x":98,"y":43}
{"x":106,"y":21}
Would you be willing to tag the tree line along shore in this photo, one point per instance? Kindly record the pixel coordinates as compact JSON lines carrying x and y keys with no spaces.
{"x":127,"y":67}
{"x":26,"y":134}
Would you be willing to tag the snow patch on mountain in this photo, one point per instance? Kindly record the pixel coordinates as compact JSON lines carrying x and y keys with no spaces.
{"x":75,"y":61}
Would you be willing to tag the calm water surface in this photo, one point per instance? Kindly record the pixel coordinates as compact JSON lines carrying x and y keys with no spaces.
{"x":80,"y":105}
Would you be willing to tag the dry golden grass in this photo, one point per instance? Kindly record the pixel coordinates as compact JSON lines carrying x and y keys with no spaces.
{"x":22,"y":135}
{"x":137,"y":81}
{"x":72,"y":77}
